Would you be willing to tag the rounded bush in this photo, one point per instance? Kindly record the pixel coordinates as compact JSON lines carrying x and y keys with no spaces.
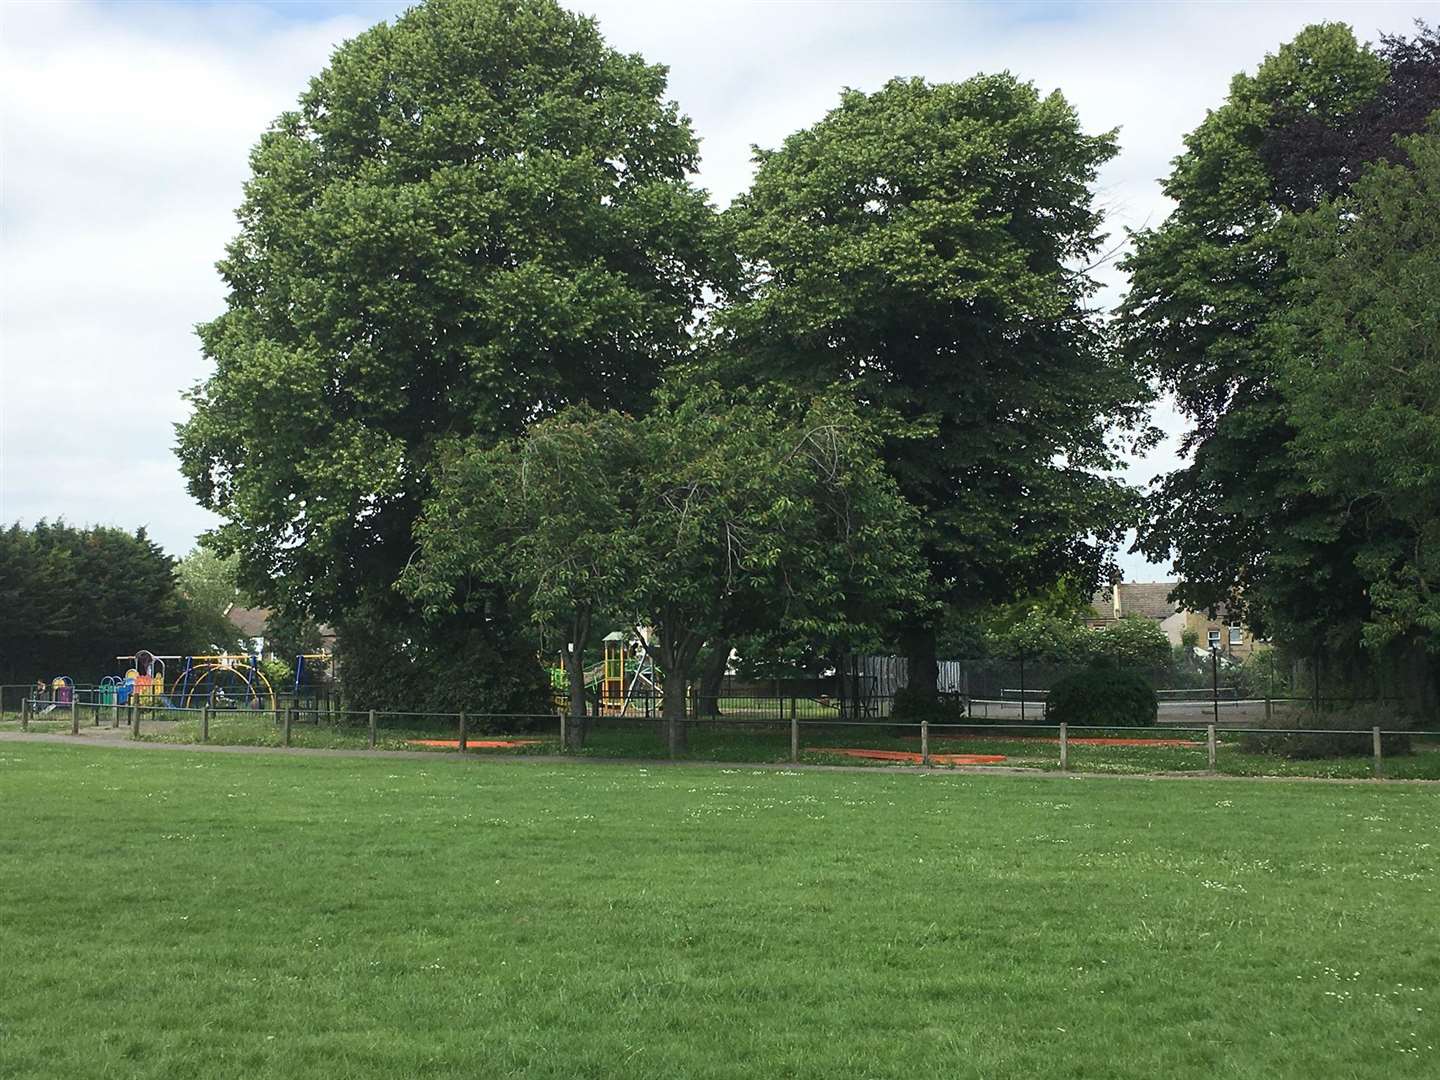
{"x":1103,"y":697}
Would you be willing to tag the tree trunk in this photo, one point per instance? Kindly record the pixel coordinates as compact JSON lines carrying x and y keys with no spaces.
{"x":676,"y":652}
{"x":922,"y":666}
{"x":712,"y":676}
{"x":578,"y":722}
{"x":672,"y":711}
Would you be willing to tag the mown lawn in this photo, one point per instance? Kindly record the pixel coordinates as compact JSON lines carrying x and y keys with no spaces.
{"x":182,"y":914}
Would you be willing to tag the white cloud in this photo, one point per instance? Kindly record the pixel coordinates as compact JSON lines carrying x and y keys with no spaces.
{"x":125,"y":130}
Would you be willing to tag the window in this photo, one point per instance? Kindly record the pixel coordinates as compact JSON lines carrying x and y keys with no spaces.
{"x":1214,"y":638}
{"x":1237,"y":634}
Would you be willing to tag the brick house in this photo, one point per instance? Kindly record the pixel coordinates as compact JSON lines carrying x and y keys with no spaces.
{"x":1151,"y":600}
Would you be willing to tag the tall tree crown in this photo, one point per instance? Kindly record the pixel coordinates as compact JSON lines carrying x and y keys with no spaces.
{"x":475,"y":217}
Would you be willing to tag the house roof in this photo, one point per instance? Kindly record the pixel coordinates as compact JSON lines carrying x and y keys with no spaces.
{"x":1102,"y":604}
{"x":1149,"y":598}
{"x":250,"y":621}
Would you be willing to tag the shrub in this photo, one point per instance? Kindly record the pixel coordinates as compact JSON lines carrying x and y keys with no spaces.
{"x":1103,"y":697}
{"x":1334,"y":734}
{"x":279,"y":673}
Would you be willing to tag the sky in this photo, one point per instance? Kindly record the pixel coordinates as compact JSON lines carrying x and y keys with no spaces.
{"x":125,"y":130}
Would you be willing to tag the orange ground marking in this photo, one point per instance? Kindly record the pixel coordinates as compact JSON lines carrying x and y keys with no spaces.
{"x":475,"y":744}
{"x":1076,"y":740}
{"x":910,"y":756}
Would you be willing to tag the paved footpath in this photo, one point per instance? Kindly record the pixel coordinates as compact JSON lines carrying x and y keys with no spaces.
{"x":109,"y":740}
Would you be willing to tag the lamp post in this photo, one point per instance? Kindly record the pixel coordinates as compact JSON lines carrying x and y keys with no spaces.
{"x":1215,"y":680}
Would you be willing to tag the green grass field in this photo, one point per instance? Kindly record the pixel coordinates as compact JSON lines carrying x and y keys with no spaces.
{"x":228,"y":915}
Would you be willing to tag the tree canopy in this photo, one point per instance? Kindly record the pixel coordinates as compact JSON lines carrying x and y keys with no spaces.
{"x":207,"y":582}
{"x":711,"y":515}
{"x":1247,"y":525}
{"x":924,"y":246}
{"x":1359,"y":372}
{"x":477,"y":215}
{"x":75,"y":598}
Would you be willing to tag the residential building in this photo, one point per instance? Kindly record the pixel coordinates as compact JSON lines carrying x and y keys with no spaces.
{"x":1151,"y":600}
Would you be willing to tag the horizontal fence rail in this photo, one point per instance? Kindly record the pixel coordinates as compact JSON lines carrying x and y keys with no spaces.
{"x":907,"y":741}
{"x":817,"y":720}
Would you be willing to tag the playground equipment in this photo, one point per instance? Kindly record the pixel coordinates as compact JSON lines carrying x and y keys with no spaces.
{"x":62,"y":694}
{"x":624,"y":680}
{"x":219,"y":680}
{"x":628,"y":675}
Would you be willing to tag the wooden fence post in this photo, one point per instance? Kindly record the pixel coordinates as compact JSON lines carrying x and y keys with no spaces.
{"x":925,"y":742}
{"x":74,"y":713}
{"x":115,"y":715}
{"x":372,"y":729}
{"x":564,"y":732}
{"x":1375,"y":740}
{"x":1064,"y":746}
{"x":205,"y":723}
{"x":25,"y":712}
{"x":794,"y":734}
{"x":464,"y":738}
{"x":134,"y":720}
{"x":1210,"y":745}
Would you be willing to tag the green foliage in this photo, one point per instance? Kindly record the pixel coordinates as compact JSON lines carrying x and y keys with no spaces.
{"x":385,"y":666}
{"x":766,"y":508}
{"x":1040,"y":635}
{"x":207,"y":582}
{"x":75,"y":598}
{"x":280,"y":673}
{"x":1232,"y":301}
{"x":289,"y":635}
{"x":1102,"y":697}
{"x":1334,"y":733}
{"x":1360,"y":376}
{"x":1132,"y":642}
{"x":918,"y":245}
{"x":713,"y":514}
{"x":542,"y":514}
{"x":477,"y":215}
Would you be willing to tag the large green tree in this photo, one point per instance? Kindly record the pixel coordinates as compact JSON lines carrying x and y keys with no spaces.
{"x":713,"y":514}
{"x":1359,"y":373}
{"x":76,"y":598}
{"x":476,"y":216}
{"x":545,"y":514}
{"x":1246,"y":526}
{"x":926,"y":246}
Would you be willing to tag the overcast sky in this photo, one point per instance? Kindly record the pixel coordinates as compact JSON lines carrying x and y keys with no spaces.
{"x":125,"y":128}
